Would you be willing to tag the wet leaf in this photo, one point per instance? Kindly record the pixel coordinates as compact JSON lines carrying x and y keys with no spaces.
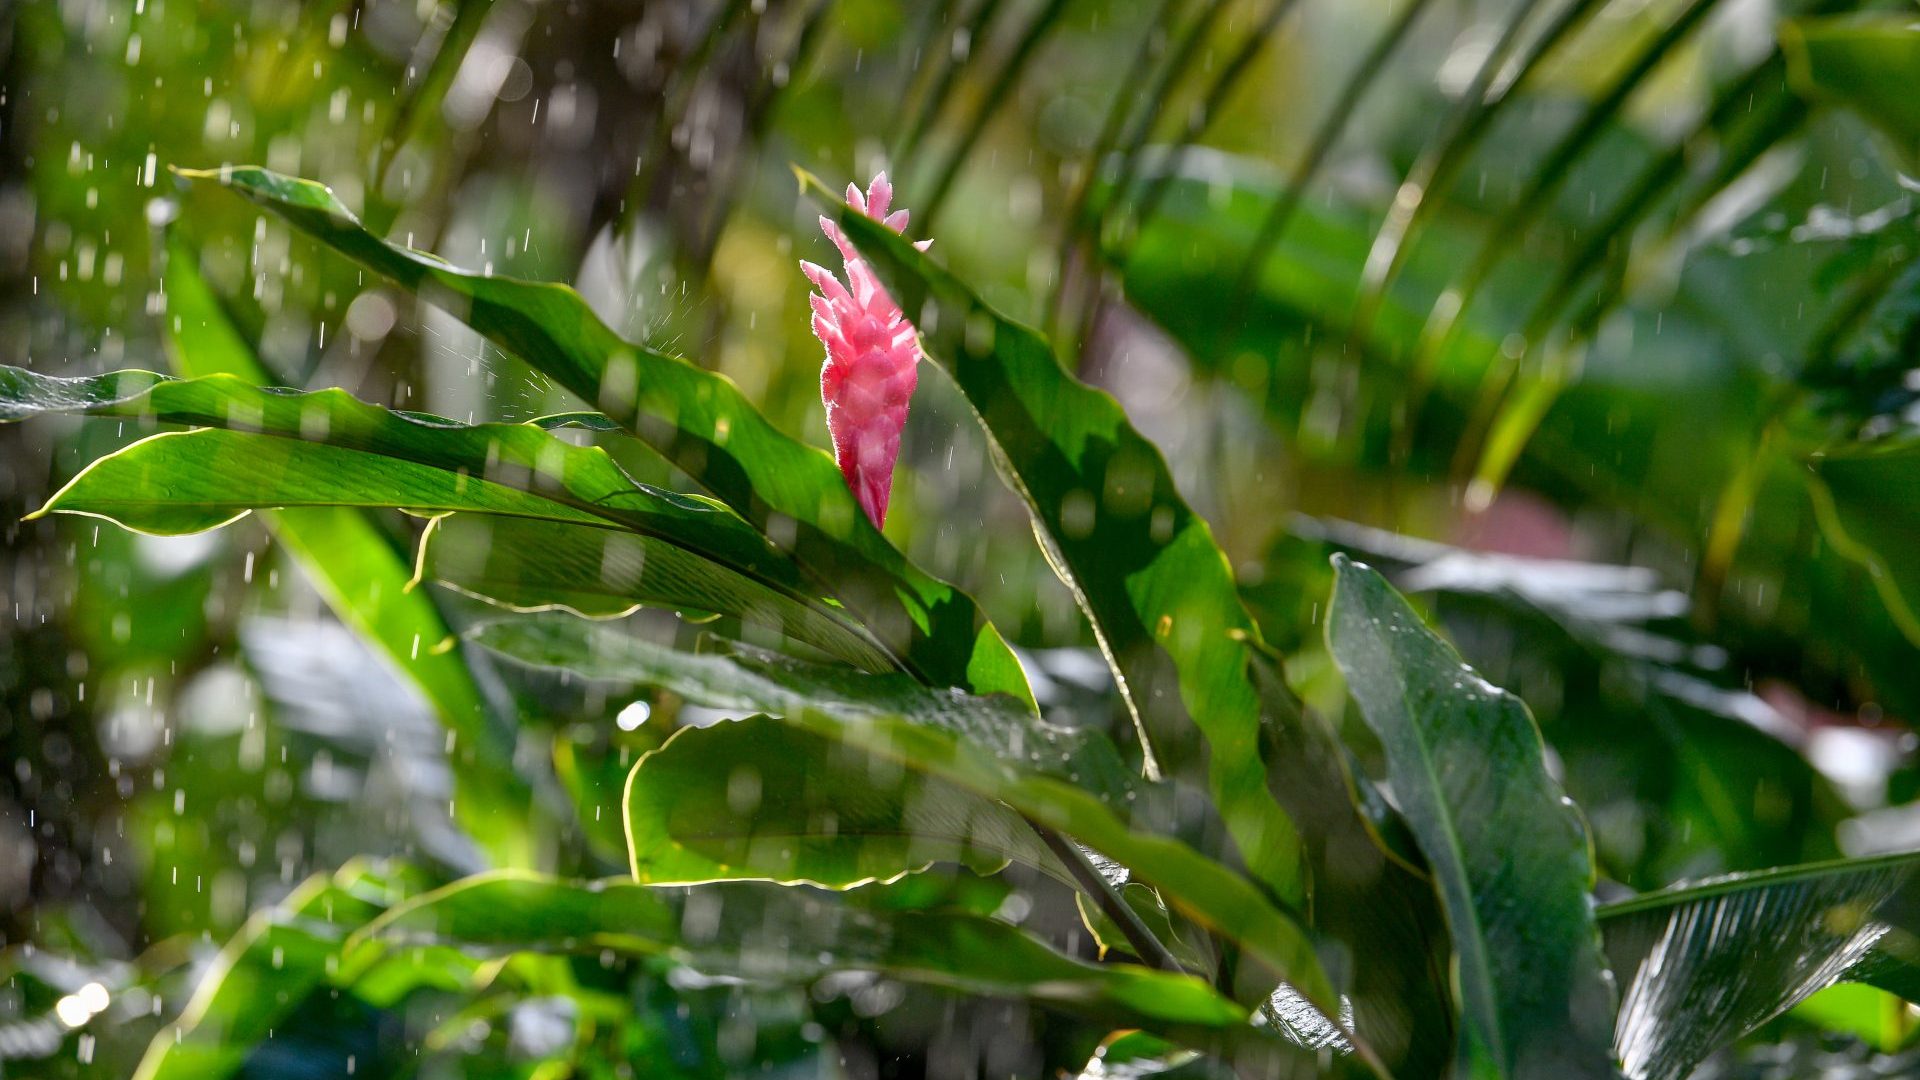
{"x":1701,"y":965}
{"x":363,"y":575}
{"x":1203,"y":687}
{"x":771,"y":933}
{"x":1506,"y":847}
{"x":697,"y":420}
{"x":758,"y":799}
{"x":1069,"y":781}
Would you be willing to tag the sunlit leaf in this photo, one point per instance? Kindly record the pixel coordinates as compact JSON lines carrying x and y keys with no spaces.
{"x":771,"y":933}
{"x":756,"y":798}
{"x":363,"y":575}
{"x":328,"y":449}
{"x":1070,"y":781}
{"x":697,"y":420}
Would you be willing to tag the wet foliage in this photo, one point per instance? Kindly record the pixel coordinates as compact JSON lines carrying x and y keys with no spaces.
{"x":1401,"y":560}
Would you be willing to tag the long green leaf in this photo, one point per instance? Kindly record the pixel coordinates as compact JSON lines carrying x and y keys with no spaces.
{"x":269,"y":967}
{"x":1068,"y":781}
{"x":771,"y":933}
{"x":705,"y":557}
{"x":1509,"y":853}
{"x":701,"y":423}
{"x":1142,"y":564}
{"x":1701,"y":965}
{"x":758,"y":799}
{"x":363,"y":576}
{"x":1204,"y":689}
{"x":536,"y":565}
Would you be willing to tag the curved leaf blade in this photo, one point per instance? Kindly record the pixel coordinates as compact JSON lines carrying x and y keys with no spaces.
{"x":771,"y":933}
{"x":269,"y":448}
{"x":758,"y":799}
{"x":266,"y":970}
{"x":1508,"y":851}
{"x":1141,"y":563}
{"x":697,"y":420}
{"x":1703,"y":964}
{"x":1071,"y":782}
{"x":362,"y":574}
{"x":1205,"y":690}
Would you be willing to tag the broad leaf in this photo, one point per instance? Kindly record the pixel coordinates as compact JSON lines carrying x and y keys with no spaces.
{"x":534,"y":565}
{"x":329,"y":449}
{"x":1506,"y":847}
{"x":756,"y":798}
{"x":771,"y":933}
{"x":1069,"y":781}
{"x":1204,"y":688}
{"x":1701,"y":965}
{"x":702,"y":424}
{"x":1142,"y":564}
{"x":363,"y":576}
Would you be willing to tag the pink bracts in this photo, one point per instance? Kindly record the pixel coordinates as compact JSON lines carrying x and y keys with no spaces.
{"x":872,"y":357}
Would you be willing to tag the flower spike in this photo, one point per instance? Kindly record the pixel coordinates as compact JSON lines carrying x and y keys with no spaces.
{"x":873,"y":356}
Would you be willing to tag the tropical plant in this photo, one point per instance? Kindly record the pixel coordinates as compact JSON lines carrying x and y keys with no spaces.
{"x":717,"y":778}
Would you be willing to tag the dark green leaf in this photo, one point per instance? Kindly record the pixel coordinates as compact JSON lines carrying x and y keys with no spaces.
{"x":1506,"y":847}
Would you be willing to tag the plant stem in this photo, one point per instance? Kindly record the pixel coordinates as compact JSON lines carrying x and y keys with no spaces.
{"x":1147,"y":947}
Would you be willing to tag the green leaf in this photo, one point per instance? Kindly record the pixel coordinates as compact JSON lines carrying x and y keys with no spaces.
{"x":758,"y":799}
{"x":1867,"y":497}
{"x":695,"y":419}
{"x":1142,"y":564}
{"x":1880,"y":1019}
{"x":535,"y":565}
{"x":190,"y":481}
{"x":363,"y":577}
{"x":1858,"y":61}
{"x":1204,"y":689}
{"x":1073,"y":782}
{"x":262,"y":975}
{"x":1506,"y":847}
{"x":1701,"y":965}
{"x":772,"y":933}
{"x":706,"y":557}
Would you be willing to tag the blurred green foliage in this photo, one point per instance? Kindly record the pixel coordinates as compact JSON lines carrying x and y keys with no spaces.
{"x":1592,"y":324}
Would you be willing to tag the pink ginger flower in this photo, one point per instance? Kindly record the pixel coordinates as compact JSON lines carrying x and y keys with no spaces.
{"x":873,"y":356}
